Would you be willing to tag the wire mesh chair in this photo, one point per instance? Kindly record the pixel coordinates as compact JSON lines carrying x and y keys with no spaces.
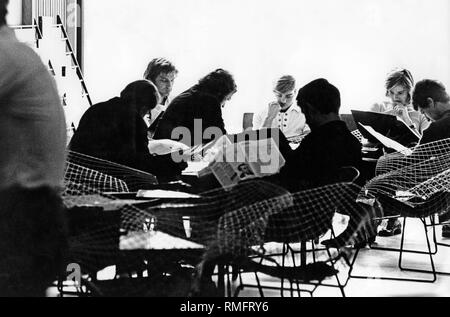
{"x":398,"y":160}
{"x":303,"y":216}
{"x":79,"y":166}
{"x":420,"y":190}
{"x":168,"y":236}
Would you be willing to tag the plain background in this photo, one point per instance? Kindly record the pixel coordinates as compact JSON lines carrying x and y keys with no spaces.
{"x":352,"y":43}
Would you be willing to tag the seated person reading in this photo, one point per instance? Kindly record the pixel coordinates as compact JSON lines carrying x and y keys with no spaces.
{"x":283,"y":113}
{"x":115,"y":131}
{"x":330,"y":145}
{"x":399,"y":85}
{"x":326,"y":150}
{"x":162,"y":73}
{"x":431,"y":98}
{"x":195,"y":116}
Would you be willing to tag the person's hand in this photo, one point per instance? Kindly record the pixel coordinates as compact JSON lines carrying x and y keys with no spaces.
{"x":274,"y":109}
{"x":402,"y":112}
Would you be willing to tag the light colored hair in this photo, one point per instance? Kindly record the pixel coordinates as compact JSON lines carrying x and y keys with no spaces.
{"x":285,"y":84}
{"x":400,"y":76}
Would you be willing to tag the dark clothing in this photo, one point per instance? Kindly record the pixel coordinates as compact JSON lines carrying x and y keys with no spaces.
{"x":320,"y":156}
{"x":33,"y":240}
{"x":438,"y":130}
{"x":114,"y":131}
{"x":182,"y":111}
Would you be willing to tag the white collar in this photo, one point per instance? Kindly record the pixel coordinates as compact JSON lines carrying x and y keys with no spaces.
{"x":294,"y":107}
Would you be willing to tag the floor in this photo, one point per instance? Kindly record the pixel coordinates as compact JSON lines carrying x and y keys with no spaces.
{"x":372,"y":263}
{"x":375,"y":263}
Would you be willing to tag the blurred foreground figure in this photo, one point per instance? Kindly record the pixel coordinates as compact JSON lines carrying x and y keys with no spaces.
{"x":32,"y":143}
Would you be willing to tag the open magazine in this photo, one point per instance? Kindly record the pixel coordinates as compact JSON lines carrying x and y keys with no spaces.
{"x":234,"y":158}
{"x":387,"y":142}
{"x":387,"y":125}
{"x":245,"y":160}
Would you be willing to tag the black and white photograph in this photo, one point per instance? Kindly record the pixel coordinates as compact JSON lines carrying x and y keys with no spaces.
{"x":225,"y":154}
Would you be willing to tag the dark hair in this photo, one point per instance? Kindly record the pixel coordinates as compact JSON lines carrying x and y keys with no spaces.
{"x":321,"y":95}
{"x":219,"y":83}
{"x":3,"y":11}
{"x":400,"y":76}
{"x":429,"y":89}
{"x":140,"y":94}
{"x":159,"y":66}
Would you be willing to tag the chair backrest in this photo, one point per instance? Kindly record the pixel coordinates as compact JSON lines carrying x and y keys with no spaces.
{"x":417,"y":155}
{"x":89,"y":178}
{"x":134,"y":179}
{"x":303,"y":216}
{"x":247,"y":122}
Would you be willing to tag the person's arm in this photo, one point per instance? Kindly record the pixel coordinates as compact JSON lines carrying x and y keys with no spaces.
{"x":213,"y":122}
{"x":258,"y":120}
{"x":424,"y":123}
{"x":377,"y":108}
{"x":274,"y":109}
{"x":166,"y":124}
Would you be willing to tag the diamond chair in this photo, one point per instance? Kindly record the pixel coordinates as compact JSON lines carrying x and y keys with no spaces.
{"x":306,"y":218}
{"x":91,"y":226}
{"x":170,"y":237}
{"x":418,"y":191}
{"x":104,"y":175}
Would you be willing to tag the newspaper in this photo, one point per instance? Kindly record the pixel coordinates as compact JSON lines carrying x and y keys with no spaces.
{"x":237,"y":162}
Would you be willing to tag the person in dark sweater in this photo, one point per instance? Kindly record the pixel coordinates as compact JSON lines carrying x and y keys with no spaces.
{"x":432,"y":99}
{"x":116,"y":131}
{"x":322,"y":155}
{"x":330,"y":145}
{"x":195,"y":116}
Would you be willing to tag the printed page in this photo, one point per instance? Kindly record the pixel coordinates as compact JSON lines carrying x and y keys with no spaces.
{"x":389,"y":143}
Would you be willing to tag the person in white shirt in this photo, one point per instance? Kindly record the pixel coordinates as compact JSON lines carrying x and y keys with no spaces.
{"x":283,"y":113}
{"x":162,"y":73}
{"x":399,"y":86}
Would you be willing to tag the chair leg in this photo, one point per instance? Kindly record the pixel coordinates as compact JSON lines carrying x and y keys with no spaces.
{"x":283,"y":264}
{"x":429,"y":253}
{"x":402,"y":251}
{"x":340,"y":285}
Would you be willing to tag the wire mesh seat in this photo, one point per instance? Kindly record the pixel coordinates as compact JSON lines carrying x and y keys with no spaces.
{"x":420,"y":190}
{"x":169,"y":236}
{"x":296,"y":217}
{"x":398,"y":160}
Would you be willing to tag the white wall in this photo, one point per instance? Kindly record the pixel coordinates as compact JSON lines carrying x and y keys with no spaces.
{"x":353,"y":43}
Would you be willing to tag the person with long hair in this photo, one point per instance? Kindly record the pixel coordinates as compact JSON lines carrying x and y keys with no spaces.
{"x":195,"y":116}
